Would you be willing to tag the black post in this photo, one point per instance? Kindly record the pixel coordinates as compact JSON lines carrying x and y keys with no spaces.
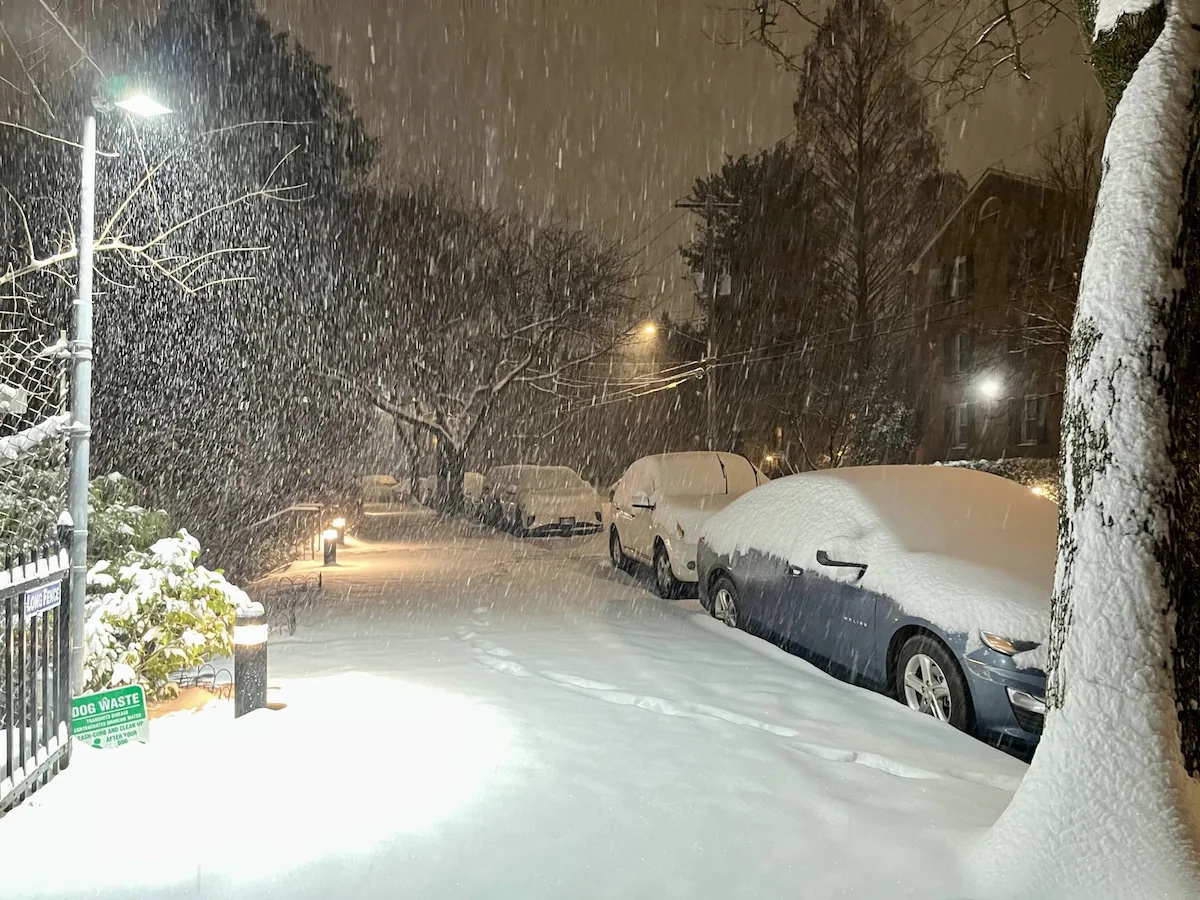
{"x":250,"y":660}
{"x":330,"y":540}
{"x":10,"y":700}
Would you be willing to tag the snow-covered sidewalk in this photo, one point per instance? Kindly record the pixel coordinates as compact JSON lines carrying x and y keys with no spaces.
{"x":468,"y":715}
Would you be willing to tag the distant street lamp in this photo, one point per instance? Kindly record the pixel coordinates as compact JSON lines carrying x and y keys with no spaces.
{"x":139,"y":104}
{"x":990,"y":388}
{"x":650,"y":329}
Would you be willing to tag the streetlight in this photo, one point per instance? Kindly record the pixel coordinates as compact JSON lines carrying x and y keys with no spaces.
{"x":990,"y":388}
{"x":140,"y":104}
{"x":650,"y":329}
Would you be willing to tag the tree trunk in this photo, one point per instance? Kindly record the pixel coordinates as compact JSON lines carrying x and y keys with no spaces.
{"x":451,"y":468}
{"x":1110,"y":806}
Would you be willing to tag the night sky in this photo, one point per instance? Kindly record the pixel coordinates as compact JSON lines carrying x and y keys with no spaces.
{"x":603,"y":111}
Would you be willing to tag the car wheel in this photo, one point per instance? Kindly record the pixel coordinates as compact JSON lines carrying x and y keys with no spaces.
{"x":665,"y":583}
{"x":723,"y":599}
{"x":617,"y":553}
{"x":929,"y":681}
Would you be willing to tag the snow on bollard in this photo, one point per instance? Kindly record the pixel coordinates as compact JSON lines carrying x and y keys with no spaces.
{"x":339,"y":525}
{"x":249,"y":660}
{"x":330,"y":539}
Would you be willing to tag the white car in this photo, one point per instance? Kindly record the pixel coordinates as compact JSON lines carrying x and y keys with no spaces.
{"x":661,"y":503}
{"x":540,"y":499}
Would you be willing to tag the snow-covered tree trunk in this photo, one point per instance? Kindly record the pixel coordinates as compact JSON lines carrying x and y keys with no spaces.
{"x":1110,"y":806}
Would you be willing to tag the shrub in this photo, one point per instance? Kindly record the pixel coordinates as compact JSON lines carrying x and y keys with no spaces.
{"x":1042,"y":475}
{"x":154,"y":615}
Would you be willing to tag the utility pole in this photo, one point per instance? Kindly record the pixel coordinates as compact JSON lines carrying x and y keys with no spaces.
{"x":711,"y":286}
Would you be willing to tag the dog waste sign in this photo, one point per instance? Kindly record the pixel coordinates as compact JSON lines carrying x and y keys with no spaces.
{"x":111,"y":718}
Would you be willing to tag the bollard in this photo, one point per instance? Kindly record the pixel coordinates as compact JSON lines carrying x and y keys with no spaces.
{"x":330,"y":540}
{"x":249,"y":660}
{"x":339,"y":525}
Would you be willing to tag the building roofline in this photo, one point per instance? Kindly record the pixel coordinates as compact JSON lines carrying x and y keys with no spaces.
{"x":989,"y":172}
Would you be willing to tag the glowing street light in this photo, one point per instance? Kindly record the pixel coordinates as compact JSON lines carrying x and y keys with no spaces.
{"x":141,"y":104}
{"x":990,"y":388}
{"x":1038,"y":491}
{"x":118,"y":93}
{"x":650,"y":329}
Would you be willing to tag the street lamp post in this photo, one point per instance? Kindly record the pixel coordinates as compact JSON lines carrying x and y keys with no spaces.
{"x":81,"y":377}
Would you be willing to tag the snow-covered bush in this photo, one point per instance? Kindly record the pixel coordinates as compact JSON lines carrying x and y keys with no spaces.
{"x":31,"y":504}
{"x":117,"y":524}
{"x":1043,"y":476}
{"x":155,"y":613}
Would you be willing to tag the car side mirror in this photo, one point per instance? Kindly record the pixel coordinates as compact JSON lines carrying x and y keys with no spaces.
{"x":642,"y":501}
{"x":848,"y":571}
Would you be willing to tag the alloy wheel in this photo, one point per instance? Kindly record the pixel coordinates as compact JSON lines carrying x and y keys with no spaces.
{"x":925,"y":687}
{"x":725,"y":607}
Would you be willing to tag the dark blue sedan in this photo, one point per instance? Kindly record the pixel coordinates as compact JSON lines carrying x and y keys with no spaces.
{"x":928,"y":583}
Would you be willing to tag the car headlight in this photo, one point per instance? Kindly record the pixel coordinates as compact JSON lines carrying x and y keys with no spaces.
{"x":679,"y":530}
{"x":1005,"y":645}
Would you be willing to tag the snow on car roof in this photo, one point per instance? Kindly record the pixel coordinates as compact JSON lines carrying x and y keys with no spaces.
{"x":963,"y":549}
{"x":700,"y":472}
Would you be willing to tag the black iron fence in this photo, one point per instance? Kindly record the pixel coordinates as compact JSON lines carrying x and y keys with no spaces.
{"x":35,"y":697}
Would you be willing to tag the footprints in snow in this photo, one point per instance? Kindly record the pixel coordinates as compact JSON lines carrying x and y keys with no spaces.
{"x":501,"y":660}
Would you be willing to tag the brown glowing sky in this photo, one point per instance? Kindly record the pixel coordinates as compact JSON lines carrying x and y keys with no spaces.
{"x":603,"y":111}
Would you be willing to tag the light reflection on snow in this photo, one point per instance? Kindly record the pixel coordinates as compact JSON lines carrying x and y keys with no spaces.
{"x":353,"y":761}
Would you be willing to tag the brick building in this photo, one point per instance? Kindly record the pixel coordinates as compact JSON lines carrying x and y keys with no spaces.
{"x":992,"y":296}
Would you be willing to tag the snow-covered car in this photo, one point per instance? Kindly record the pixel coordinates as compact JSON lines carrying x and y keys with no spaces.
{"x":662,"y":502}
{"x":541,"y":500}
{"x":473,"y":491}
{"x":383,"y":489}
{"x":931,"y":584}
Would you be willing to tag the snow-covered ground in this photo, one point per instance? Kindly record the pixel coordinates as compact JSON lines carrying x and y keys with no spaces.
{"x":471,"y":715}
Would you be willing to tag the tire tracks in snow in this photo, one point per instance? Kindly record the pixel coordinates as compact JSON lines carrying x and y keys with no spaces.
{"x":499,"y":659}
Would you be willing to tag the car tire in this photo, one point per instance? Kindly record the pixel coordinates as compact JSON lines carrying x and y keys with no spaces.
{"x":928,"y":680}
{"x":666,"y":585}
{"x":617,"y":553}
{"x":723,"y":603}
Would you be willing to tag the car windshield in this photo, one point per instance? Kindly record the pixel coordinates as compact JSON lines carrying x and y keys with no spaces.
{"x":550,"y":479}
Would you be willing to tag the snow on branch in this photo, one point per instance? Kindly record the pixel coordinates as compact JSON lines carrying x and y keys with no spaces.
{"x":25,"y":443}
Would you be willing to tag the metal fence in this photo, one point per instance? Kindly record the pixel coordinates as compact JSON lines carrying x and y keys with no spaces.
{"x":35,"y":697}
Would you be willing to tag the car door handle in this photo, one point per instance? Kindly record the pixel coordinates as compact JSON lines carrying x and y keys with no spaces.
{"x":795,"y":571}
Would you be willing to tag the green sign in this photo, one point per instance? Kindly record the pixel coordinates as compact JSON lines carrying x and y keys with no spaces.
{"x":111,"y":718}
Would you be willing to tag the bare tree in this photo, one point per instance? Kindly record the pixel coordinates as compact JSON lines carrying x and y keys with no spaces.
{"x":955,"y":49}
{"x":466,"y":304}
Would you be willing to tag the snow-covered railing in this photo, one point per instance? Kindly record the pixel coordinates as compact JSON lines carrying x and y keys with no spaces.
{"x":35,"y":699}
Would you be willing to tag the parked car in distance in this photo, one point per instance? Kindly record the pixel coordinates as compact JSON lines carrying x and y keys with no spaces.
{"x":473,"y":492}
{"x":383,"y":490}
{"x":540,"y":500}
{"x":660,"y":505}
{"x":931,"y":584}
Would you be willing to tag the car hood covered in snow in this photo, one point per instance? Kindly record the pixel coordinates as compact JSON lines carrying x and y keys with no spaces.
{"x":579,"y":504}
{"x":965,"y":550}
{"x":689,"y":512}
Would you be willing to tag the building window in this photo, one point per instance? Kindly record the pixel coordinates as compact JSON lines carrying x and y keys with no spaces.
{"x":1033,"y":420}
{"x":938,"y":283}
{"x":960,"y":418}
{"x":962,"y":277}
{"x":990,"y":209}
{"x":958,"y":351}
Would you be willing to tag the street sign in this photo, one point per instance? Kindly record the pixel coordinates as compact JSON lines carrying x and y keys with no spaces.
{"x":41,"y":599}
{"x":111,"y":718}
